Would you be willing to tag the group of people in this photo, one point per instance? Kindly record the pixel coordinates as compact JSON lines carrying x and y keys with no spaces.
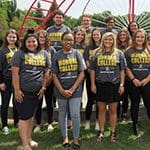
{"x":55,"y":63}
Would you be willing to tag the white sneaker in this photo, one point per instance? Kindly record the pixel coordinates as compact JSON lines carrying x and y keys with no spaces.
{"x":36,"y":129}
{"x":5,"y":130}
{"x":87,"y":125}
{"x":50,"y":128}
{"x":97,"y":126}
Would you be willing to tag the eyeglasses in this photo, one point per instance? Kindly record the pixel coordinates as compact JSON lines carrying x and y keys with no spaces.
{"x":111,"y":22}
{"x":68,"y":40}
{"x":86,"y":20}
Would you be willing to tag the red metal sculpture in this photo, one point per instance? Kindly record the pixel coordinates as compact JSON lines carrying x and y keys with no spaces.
{"x":48,"y":13}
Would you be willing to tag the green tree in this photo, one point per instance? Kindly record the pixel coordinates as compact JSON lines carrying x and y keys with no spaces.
{"x":38,"y":13}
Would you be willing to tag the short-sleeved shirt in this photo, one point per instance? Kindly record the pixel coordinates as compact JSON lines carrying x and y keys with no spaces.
{"x":139,"y":62}
{"x":31,"y":68}
{"x":88,"y":34}
{"x":114,"y":31}
{"x":80,"y":48}
{"x":67,"y":67}
{"x":89,"y":51}
{"x":107,"y":66}
{"x":51,"y":51}
{"x":6,"y":55}
{"x":55,"y":35}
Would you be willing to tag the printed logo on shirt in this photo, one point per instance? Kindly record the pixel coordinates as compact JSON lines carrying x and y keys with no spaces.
{"x":81,"y":51}
{"x":107,"y":60}
{"x":55,"y":36}
{"x":91,"y":51}
{"x":66,"y":65}
{"x":9,"y":57}
{"x":140,"y":58}
{"x":88,"y":36}
{"x":34,"y":60}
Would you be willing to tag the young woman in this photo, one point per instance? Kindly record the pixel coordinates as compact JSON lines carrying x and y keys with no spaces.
{"x":91,"y":98}
{"x":123,"y":42}
{"x":68,"y":73}
{"x":138,"y":71}
{"x":132,"y":27}
{"x":6,"y":54}
{"x":79,"y":39}
{"x":44,"y":45}
{"x":30,"y":71}
{"x":79,"y":44}
{"x":107,"y":81}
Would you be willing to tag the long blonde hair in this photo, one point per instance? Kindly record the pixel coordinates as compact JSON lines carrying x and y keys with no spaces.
{"x":101,"y":49}
{"x":127,"y":41}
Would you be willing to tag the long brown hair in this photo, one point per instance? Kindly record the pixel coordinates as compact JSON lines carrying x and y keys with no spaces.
{"x":145,"y":44}
{"x":83,"y":31}
{"x":13,"y":31}
{"x":127,"y":41}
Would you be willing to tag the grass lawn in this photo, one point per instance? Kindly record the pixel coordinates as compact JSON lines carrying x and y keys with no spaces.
{"x":52,"y":141}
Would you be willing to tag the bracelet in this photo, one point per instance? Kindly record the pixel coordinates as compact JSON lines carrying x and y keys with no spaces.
{"x":132,"y":78}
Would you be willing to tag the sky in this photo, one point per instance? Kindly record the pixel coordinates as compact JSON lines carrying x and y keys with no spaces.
{"x":117,"y":7}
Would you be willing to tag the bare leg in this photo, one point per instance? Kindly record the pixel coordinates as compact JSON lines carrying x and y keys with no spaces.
{"x":101,"y":115}
{"x":113,"y":115}
{"x":23,"y":130}
{"x":29,"y":133}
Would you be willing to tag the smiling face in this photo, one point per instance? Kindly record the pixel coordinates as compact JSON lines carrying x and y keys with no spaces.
{"x":11,"y":38}
{"x":108,"y":42}
{"x":139,"y":39}
{"x":133,"y":27}
{"x":86,"y":22}
{"x":122,"y":36}
{"x":96,"y":35}
{"x":110,"y":24}
{"x":58,"y":20}
{"x":42,"y":39}
{"x":79,"y":37}
{"x":67,"y":41}
{"x":31,"y":43}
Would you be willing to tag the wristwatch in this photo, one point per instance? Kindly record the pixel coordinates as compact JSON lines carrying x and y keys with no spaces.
{"x":121,"y":85}
{"x":43,"y":88}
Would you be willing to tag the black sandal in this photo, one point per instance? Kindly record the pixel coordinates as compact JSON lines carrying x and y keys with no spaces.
{"x":100,"y":136}
{"x":66,"y":145}
{"x":113,"y":137}
{"x":76,"y":146}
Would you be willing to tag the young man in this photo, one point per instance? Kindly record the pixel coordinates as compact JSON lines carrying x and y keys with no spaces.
{"x":86,"y":21}
{"x":55,"y":31}
{"x":110,"y":23}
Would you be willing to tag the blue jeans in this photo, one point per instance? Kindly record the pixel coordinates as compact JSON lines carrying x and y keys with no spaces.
{"x":72,"y":104}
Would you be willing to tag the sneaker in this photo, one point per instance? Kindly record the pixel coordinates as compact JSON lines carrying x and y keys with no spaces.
{"x":87,"y":125}
{"x":136,"y":130}
{"x":5,"y":130}
{"x":36,"y":129}
{"x":97,"y":126}
{"x":124,"y":117}
{"x":50,"y":128}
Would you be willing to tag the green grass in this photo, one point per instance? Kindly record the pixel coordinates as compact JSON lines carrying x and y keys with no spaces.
{"x":52,"y":141}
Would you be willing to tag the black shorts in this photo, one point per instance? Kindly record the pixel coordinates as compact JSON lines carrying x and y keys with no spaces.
{"x":107,"y":92}
{"x":27,"y":108}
